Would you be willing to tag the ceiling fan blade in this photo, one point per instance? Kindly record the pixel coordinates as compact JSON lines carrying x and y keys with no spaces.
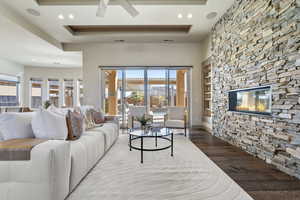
{"x":129,"y":7}
{"x":102,"y":8}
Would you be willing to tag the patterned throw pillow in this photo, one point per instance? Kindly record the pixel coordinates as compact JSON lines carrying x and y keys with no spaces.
{"x":98,"y":117}
{"x":88,"y":118}
{"x":75,"y":125}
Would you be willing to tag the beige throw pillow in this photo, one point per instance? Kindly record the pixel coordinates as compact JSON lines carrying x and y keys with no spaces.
{"x":75,"y":122}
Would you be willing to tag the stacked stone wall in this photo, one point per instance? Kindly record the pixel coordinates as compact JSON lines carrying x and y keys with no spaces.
{"x":257,"y":43}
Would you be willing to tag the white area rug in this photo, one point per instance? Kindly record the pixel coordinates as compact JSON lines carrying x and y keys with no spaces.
{"x":189,"y":175}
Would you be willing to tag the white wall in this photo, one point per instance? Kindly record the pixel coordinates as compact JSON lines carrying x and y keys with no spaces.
{"x":14,"y":69}
{"x":206,"y":47}
{"x":45,"y":73}
{"x":139,"y":54}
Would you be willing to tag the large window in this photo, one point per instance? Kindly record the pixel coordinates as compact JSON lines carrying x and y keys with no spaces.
{"x":153,"y":87}
{"x":69,"y":93}
{"x":54,"y":91}
{"x":36,"y":93}
{"x":9,"y":90}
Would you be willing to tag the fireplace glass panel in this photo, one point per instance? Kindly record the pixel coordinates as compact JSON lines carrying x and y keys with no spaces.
{"x":256,"y":100}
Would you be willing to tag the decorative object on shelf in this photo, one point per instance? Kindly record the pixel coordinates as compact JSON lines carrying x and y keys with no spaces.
{"x":47,"y":104}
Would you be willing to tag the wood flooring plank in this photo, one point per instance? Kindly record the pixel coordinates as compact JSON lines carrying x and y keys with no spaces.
{"x":261,"y":180}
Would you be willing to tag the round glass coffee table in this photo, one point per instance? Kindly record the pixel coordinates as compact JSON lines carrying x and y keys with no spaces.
{"x":157,"y":134}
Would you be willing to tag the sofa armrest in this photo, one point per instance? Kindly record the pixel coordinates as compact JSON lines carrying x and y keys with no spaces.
{"x":45,"y":176}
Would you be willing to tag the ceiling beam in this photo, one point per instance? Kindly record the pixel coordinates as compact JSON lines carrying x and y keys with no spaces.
{"x":115,"y":2}
{"x":93,"y":29}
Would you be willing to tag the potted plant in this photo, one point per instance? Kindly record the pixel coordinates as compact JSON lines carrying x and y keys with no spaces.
{"x":144,"y":120}
{"x":47,"y":104}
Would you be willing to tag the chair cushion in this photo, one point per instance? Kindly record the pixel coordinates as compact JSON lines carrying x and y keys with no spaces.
{"x":85,"y":152}
{"x":175,"y":123}
{"x":137,"y":111}
{"x":176,"y":113}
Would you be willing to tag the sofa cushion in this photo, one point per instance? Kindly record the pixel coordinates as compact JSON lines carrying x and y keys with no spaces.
{"x":110,"y":131}
{"x":48,"y":125}
{"x":85,"y":152}
{"x":16,"y":125}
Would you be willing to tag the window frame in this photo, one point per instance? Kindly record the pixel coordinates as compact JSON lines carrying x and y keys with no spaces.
{"x":17,"y":86}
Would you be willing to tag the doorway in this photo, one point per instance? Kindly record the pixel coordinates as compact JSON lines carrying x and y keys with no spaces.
{"x":153,"y":87}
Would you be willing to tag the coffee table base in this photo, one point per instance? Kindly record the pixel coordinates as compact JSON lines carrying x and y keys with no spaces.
{"x":142,"y":149}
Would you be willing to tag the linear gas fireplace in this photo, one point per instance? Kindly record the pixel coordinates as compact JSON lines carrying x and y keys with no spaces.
{"x":252,"y":100}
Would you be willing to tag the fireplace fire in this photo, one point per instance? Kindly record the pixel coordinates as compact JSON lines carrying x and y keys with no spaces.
{"x":254,"y":100}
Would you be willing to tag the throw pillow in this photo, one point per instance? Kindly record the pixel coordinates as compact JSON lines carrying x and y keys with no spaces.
{"x":98,"y":117}
{"x":56,"y":110}
{"x":1,"y":137}
{"x":16,"y":125}
{"x":88,"y":118}
{"x":75,"y":125}
{"x":48,"y":125}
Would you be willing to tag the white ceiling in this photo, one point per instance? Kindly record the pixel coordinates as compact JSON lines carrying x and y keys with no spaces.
{"x":28,"y":46}
{"x":21,"y":46}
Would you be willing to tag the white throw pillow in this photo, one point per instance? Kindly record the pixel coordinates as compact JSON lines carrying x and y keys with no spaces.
{"x":16,"y":125}
{"x":56,"y":110}
{"x":1,"y":137}
{"x":48,"y":125}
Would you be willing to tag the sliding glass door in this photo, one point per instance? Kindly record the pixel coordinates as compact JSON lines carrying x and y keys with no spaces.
{"x":155,"y":88}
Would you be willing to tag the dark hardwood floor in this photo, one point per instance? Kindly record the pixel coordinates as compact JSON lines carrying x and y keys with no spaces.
{"x":262,"y":181}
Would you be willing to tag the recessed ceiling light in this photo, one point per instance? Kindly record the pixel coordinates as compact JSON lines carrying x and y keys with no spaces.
{"x":33,"y":60}
{"x":33,"y":12}
{"x":71,"y":16}
{"x":61,"y":16}
{"x":211,"y":15}
{"x":190,"y":16}
{"x":180,"y":16}
{"x":168,"y":40}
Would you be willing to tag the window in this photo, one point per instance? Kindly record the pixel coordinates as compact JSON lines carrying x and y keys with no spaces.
{"x":54,"y":91}
{"x":80,"y":84}
{"x":36,"y":93}
{"x":69,"y":93}
{"x":9,"y":90}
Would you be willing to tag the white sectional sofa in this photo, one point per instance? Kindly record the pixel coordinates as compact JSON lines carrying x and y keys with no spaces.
{"x":56,"y":167}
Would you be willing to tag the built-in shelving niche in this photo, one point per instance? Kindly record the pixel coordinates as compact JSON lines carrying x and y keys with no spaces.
{"x":207,"y":94}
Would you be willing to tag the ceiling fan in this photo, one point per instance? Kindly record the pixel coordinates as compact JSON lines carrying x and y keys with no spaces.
{"x":103,"y":4}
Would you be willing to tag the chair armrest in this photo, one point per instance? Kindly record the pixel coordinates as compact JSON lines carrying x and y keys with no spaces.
{"x":185,"y":119}
{"x":130,"y":121}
